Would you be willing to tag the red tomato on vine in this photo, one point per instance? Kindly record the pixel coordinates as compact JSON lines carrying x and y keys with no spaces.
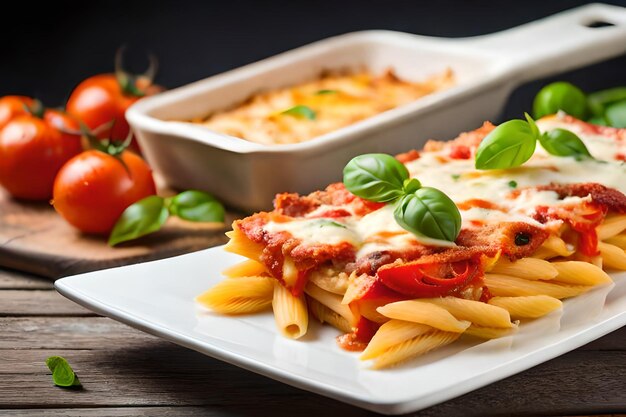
{"x":93,"y":189}
{"x":104,"y":98}
{"x":33,"y":147}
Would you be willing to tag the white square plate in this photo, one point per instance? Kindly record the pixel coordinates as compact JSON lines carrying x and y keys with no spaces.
{"x":157,"y":297}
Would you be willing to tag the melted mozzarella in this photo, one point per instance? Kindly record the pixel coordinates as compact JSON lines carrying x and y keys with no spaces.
{"x":461,"y":182}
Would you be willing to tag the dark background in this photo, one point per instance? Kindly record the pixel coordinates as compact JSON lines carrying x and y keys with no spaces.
{"x":48,"y":48}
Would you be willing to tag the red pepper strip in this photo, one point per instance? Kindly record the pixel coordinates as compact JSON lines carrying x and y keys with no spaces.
{"x":411,"y":279}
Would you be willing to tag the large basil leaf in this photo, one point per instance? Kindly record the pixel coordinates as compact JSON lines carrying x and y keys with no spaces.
{"x":509,"y":145}
{"x":375,"y":177}
{"x":429,"y":212}
{"x":562,"y":142}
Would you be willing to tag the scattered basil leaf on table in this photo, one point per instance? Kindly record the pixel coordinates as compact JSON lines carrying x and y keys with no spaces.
{"x":150,"y":214}
{"x":301,"y":111}
{"x":139,"y":219}
{"x":560,"y":95}
{"x":429,"y":212}
{"x":423,"y":211}
{"x":562,"y":142}
{"x":197,"y":206}
{"x":62,"y":373}
{"x":376,"y":177}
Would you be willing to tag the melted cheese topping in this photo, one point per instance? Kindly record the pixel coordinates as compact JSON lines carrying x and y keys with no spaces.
{"x":337,"y":100}
{"x":461,"y":182}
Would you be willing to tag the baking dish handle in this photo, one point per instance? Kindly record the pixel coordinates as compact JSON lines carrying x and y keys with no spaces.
{"x":565,"y":41}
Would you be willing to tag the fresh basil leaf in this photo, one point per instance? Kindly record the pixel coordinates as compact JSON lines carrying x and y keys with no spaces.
{"x":324,"y":92}
{"x":375,"y":177}
{"x":429,"y":212}
{"x":144,"y":217}
{"x":557,"y":96}
{"x":599,"y":100}
{"x":301,"y":111}
{"x":332,"y":223}
{"x":197,"y":206}
{"x":62,"y":373}
{"x":562,"y":142}
{"x":615,"y":114}
{"x":509,"y":145}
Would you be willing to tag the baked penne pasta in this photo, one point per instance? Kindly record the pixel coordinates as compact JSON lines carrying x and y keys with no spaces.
{"x":527,"y":238}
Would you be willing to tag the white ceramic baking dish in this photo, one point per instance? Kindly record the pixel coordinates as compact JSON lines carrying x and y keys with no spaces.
{"x":247,"y":175}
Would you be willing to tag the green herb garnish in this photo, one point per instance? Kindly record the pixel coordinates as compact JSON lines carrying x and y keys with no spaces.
{"x":561,"y":142}
{"x":423,"y":211}
{"x":301,"y":111}
{"x":150,"y":214}
{"x":62,"y":373}
{"x":513,"y":184}
{"x":324,"y":92}
{"x":456,"y":177}
{"x":512,"y":143}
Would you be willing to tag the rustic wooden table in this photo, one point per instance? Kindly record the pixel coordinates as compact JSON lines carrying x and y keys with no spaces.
{"x":128,"y":373}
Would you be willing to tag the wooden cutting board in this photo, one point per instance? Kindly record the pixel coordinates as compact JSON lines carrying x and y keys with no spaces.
{"x":35,"y":239}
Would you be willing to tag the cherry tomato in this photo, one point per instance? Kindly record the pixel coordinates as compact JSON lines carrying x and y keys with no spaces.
{"x":101,"y":99}
{"x":416,"y":279}
{"x":32,"y":150}
{"x":11,"y":107}
{"x":93,"y":189}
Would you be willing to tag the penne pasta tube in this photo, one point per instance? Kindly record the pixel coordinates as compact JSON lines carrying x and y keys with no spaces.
{"x":476,"y":312}
{"x":290,"y":312}
{"x":580,"y":273}
{"x":483,"y":332}
{"x":611,"y":226}
{"x":332,"y":301}
{"x":424,"y":313}
{"x":239,"y":296}
{"x":392,"y":333}
{"x":507,"y":286}
{"x":248,"y":268}
{"x":618,"y":240}
{"x":414,"y":347}
{"x":528,"y":268}
{"x":241,"y":245}
{"x":558,"y":246}
{"x":531,"y":306}
{"x":326,"y":315}
{"x":612,"y":256}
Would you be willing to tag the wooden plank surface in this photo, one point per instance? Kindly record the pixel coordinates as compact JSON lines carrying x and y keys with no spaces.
{"x":129,"y":373}
{"x":34,"y":238}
